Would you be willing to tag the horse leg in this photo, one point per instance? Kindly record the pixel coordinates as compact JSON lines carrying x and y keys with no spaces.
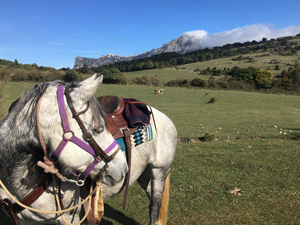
{"x":155,"y":181}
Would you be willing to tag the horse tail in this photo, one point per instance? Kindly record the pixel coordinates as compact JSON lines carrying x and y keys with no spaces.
{"x":163,"y":212}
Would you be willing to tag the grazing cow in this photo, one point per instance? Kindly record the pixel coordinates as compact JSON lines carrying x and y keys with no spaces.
{"x":159,"y":91}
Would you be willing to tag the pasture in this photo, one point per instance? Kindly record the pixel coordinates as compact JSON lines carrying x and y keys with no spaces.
{"x":261,"y":60}
{"x":248,"y":173}
{"x":164,"y":74}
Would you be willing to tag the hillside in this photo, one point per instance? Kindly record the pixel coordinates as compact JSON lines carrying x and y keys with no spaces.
{"x":262,"y":61}
{"x":185,"y":44}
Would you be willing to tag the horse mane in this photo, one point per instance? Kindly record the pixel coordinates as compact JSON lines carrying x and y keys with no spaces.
{"x":29,"y":97}
{"x":19,"y":146}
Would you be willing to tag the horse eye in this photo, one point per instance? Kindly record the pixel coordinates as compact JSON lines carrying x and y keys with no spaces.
{"x":99,"y":130}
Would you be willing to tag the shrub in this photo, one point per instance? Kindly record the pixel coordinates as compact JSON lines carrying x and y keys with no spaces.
{"x":247,"y":74}
{"x":264,"y":79}
{"x":212,"y":84}
{"x":223,"y":84}
{"x":70,"y":76}
{"x":197,"y":82}
{"x":212,"y":100}
{"x":114,"y":78}
{"x":209,"y":136}
{"x":144,"y":80}
{"x":240,"y":85}
{"x":178,"y":83}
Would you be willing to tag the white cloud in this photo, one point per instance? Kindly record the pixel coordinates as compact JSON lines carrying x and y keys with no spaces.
{"x":256,"y":32}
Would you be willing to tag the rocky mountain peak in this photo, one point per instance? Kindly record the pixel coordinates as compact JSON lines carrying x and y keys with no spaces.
{"x":181,"y":45}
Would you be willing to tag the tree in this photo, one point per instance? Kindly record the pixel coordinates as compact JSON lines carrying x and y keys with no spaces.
{"x":85,"y":69}
{"x":291,"y":79}
{"x":295,"y":74}
{"x":70,"y":76}
{"x":148,"y":65}
{"x":247,"y":74}
{"x":264,"y":79}
{"x":197,"y":82}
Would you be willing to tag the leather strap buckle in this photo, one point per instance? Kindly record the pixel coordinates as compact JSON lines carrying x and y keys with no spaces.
{"x":123,"y":128}
{"x":87,"y":136}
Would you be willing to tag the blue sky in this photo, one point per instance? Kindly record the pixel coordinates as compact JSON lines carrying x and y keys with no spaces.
{"x":53,"y":32}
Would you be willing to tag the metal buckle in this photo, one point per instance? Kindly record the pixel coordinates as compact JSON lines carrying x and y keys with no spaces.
{"x":87,"y":136}
{"x":124,"y":128}
{"x":67,"y":134}
{"x":80,"y":182}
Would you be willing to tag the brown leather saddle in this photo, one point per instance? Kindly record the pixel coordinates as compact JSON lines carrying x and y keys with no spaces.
{"x":114,"y":106}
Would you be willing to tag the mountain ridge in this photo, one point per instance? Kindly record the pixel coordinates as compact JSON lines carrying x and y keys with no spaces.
{"x":181,"y":45}
{"x":196,"y":40}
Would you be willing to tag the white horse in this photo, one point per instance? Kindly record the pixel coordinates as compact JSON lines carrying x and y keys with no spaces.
{"x":21,"y":149}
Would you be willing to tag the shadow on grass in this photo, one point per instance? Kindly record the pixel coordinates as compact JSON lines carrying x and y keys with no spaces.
{"x":110,"y":213}
{"x":116,"y":215}
{"x":294,"y":134}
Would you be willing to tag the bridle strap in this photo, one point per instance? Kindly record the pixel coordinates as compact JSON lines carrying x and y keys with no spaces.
{"x":86,"y":134}
{"x":92,"y":147}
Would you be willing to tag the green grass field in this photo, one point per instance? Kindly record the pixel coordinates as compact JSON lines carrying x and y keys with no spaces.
{"x":249,"y":175}
{"x":165,"y":74}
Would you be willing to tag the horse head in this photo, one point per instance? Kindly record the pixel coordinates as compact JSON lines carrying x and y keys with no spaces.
{"x":73,"y":128}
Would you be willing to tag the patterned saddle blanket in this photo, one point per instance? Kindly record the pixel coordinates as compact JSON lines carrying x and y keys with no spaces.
{"x":127,"y":116}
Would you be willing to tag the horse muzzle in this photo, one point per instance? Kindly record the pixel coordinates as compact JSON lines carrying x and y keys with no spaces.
{"x":114,"y":176}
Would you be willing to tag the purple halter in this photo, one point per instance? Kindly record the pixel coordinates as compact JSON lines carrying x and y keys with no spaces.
{"x":69,"y":136}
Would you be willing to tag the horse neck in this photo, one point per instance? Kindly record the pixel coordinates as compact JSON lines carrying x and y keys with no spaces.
{"x":19,"y":153}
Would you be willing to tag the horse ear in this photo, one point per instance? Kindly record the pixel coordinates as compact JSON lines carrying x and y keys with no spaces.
{"x":88,"y":87}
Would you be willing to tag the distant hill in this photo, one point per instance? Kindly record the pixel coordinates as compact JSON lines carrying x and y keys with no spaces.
{"x":181,"y":45}
{"x":189,"y":42}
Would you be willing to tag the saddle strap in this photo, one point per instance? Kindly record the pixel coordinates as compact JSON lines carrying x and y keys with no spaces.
{"x":128,"y":155}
